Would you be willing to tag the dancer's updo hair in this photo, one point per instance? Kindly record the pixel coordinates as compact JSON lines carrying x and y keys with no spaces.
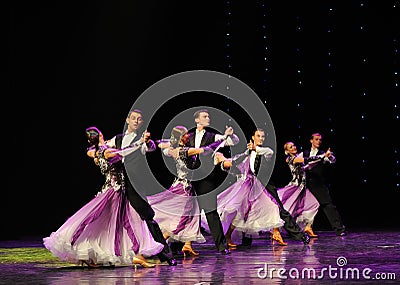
{"x":286,"y":147}
{"x":93,"y":135}
{"x":176,"y":135}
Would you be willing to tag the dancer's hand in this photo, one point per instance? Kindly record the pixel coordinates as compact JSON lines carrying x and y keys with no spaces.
{"x":251,"y":146}
{"x":228,"y":131}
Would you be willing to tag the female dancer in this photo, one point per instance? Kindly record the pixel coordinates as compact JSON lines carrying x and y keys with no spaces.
{"x":107,"y":230}
{"x":295,"y":196}
{"x":177,"y":209}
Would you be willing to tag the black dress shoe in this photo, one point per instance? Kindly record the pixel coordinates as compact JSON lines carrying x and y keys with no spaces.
{"x":168,"y":258}
{"x":305,"y":238}
{"x":225,"y":251}
{"x":341,"y":233}
{"x":172,"y":262}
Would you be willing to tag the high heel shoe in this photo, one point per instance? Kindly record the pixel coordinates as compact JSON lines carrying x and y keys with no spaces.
{"x":89,"y":264}
{"x":186,"y":249}
{"x":230,"y":243}
{"x":139,"y":261}
{"x":308,"y":230}
{"x":276,"y":236}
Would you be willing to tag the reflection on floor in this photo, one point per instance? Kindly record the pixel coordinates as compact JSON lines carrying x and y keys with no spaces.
{"x":361,"y":257}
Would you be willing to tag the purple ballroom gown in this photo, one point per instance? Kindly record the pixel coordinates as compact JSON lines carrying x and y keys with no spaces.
{"x":107,"y":230}
{"x":176,"y":209}
{"x":247,"y":204}
{"x":296,"y":198}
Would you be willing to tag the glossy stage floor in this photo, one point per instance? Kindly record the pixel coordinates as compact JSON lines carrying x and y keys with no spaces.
{"x":361,"y":257}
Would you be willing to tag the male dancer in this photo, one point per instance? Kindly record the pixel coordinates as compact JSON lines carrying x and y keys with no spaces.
{"x":135,"y":161}
{"x":316,"y":183}
{"x":205,"y":187}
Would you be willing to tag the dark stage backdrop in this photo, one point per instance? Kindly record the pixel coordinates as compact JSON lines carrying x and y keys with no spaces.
{"x":324,"y":67}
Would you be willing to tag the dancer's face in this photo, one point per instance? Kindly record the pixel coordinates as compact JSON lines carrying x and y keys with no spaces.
{"x":258,"y":138}
{"x":134,"y":121}
{"x":316,"y":141}
{"x":203,"y":119}
{"x":291,"y":148}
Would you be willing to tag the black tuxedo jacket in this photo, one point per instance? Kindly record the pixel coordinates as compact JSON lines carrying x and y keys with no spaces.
{"x":217,"y":175}
{"x":319,"y":173}
{"x":133,"y":165}
{"x":261,"y":168}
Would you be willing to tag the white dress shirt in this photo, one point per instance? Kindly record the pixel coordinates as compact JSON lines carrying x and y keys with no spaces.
{"x":264,"y":151}
{"x":313,"y":151}
{"x":198,"y":137}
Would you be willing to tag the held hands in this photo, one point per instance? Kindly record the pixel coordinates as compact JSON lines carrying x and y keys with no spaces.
{"x":145,"y":136}
{"x":228,"y":131}
{"x":328,"y":153}
{"x":251,"y":146}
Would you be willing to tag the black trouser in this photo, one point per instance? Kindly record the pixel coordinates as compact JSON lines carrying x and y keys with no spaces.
{"x":146,"y":213}
{"x":208,"y":202}
{"x":139,"y":203}
{"x":216,"y":229}
{"x":321,"y":193}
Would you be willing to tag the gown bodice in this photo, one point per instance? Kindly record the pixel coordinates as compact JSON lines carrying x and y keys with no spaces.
{"x":112,"y":171}
{"x":297,"y":171}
